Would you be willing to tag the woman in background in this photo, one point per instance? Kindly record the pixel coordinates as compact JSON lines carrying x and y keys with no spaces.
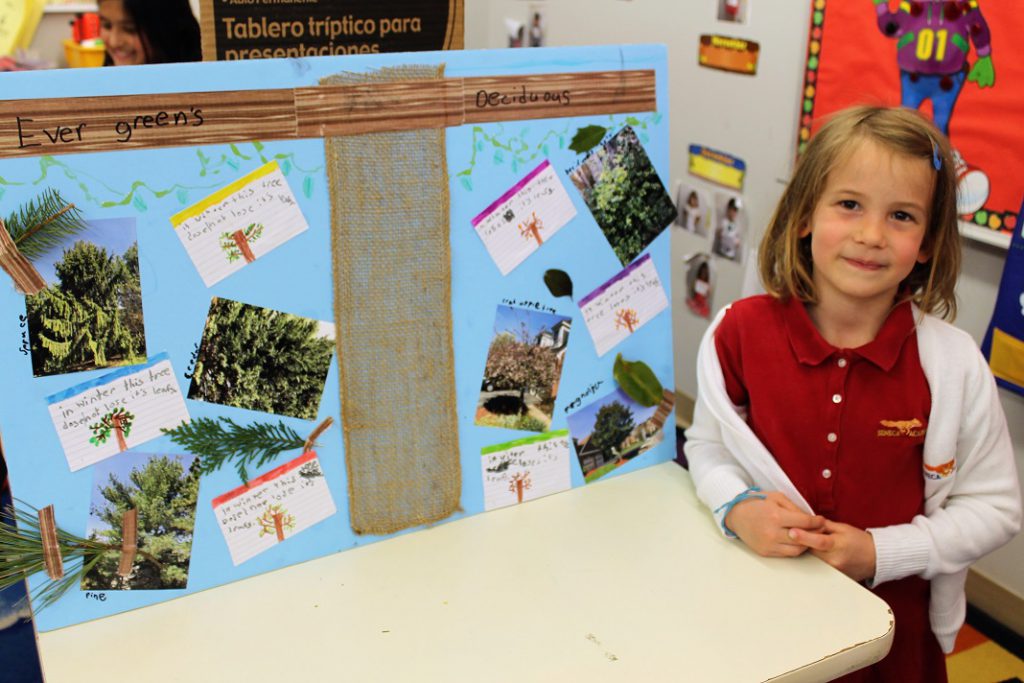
{"x":149,"y":32}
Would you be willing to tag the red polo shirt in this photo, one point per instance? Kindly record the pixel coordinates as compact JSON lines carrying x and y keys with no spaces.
{"x":847,"y":426}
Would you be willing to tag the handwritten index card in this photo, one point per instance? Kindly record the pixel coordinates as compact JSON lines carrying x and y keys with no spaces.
{"x":102,"y":417}
{"x":239,"y":223}
{"x":519,"y":221}
{"x":529,"y":468}
{"x":273,"y":507}
{"x":624,"y":304}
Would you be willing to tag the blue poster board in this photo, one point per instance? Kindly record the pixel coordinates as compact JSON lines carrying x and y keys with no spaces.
{"x":147,"y":198}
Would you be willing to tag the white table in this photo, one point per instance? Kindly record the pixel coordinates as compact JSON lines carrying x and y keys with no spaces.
{"x":624,"y":580}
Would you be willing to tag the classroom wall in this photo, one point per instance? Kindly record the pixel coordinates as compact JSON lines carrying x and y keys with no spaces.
{"x":754,"y":118}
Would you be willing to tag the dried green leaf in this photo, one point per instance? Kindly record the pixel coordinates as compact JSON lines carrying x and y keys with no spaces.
{"x":638,"y":381}
{"x":587,"y":138}
{"x":559,"y":283}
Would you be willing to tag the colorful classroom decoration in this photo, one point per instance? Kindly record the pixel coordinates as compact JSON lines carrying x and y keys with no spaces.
{"x":959,"y":63}
{"x":255,"y":251}
{"x":1004,"y":341}
{"x":318,"y":28}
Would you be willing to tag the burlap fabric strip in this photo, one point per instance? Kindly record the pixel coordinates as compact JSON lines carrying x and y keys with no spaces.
{"x":392,"y":307}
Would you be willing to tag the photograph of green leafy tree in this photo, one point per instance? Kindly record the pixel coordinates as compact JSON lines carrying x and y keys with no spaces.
{"x":260,"y":359}
{"x":624,"y":194}
{"x":611,"y":431}
{"x":523,"y":369}
{"x":90,"y":314}
{"x":163,"y":490}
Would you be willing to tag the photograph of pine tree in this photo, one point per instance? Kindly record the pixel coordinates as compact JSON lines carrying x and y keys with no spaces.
{"x":260,"y":359}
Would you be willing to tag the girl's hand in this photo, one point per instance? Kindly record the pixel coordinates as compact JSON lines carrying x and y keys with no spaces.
{"x":847,"y":548}
{"x":763,"y":524}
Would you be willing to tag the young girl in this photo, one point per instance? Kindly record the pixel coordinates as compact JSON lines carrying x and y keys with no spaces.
{"x":837,"y":415}
{"x":149,"y":32}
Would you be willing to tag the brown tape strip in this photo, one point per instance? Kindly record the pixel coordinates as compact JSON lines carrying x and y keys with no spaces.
{"x":129,"y":541}
{"x":99,"y":124}
{"x":52,"y":561}
{"x":26,"y":278}
{"x":315,"y":434}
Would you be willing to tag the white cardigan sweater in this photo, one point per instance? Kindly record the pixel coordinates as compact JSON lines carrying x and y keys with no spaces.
{"x":972,"y":497}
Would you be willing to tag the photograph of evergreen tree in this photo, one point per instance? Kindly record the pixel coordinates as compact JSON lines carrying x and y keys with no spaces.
{"x":613,"y":430}
{"x":523,"y":369}
{"x":90,"y":313}
{"x":260,"y":359}
{"x":163,"y":489}
{"x":624,"y":194}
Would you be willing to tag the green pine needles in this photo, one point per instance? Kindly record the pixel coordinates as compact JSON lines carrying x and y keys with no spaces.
{"x":21,"y":555}
{"x":221,"y":440}
{"x":43,"y":223}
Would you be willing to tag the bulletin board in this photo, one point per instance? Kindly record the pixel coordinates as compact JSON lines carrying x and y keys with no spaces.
{"x":419,"y":268}
{"x":965,"y":55}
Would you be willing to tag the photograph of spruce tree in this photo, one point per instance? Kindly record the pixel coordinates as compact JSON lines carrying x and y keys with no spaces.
{"x":613,"y":430}
{"x":623,"y":192}
{"x":90,"y":313}
{"x":259,"y":359}
{"x":162,"y":489}
{"x":523,"y":368}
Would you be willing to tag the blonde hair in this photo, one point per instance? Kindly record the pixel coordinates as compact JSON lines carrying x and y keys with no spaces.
{"x":784,"y":259}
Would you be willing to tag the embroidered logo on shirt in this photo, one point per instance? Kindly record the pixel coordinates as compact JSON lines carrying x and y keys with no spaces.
{"x":911,"y":428}
{"x":939,"y":471}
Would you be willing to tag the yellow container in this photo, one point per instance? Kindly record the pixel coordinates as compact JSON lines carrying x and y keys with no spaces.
{"x":79,"y":55}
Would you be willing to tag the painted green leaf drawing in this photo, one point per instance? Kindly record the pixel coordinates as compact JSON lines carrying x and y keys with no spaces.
{"x":587,"y":138}
{"x":638,"y":381}
{"x":559,"y":283}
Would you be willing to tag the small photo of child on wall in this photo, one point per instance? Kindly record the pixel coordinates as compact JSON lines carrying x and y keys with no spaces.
{"x":692,"y":207}
{"x":731,"y":227}
{"x":699,"y":285}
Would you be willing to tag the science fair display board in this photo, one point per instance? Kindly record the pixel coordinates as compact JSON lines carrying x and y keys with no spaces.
{"x":259,"y":312}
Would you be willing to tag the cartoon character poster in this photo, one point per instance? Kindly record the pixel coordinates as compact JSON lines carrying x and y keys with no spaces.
{"x":958,"y":62}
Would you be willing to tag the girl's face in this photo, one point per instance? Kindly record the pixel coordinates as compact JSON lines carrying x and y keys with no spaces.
{"x":869,"y":224}
{"x":124,"y":43}
{"x":692,"y":200}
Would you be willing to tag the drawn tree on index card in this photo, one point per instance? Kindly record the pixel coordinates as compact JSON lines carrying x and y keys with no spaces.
{"x":118,"y":422}
{"x":626,"y":318}
{"x":531,"y":227}
{"x":275,"y":520}
{"x":520,"y":483}
{"x":236,"y":244}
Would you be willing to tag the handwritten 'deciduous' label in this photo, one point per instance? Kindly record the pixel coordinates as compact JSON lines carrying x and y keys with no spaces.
{"x":97,"y":419}
{"x":273,"y":507}
{"x":518,"y":222}
{"x":624,"y":304}
{"x":522,"y":470}
{"x":239,"y":223}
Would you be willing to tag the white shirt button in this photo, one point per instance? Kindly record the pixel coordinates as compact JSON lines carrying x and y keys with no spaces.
{"x":837,"y":398}
{"x":827,"y":473}
{"x":841,"y":362}
{"x":832,"y":437}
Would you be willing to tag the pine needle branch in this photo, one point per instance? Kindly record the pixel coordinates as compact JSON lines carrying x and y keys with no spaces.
{"x":44,"y":223}
{"x":218,"y":441}
{"x":21,"y":555}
